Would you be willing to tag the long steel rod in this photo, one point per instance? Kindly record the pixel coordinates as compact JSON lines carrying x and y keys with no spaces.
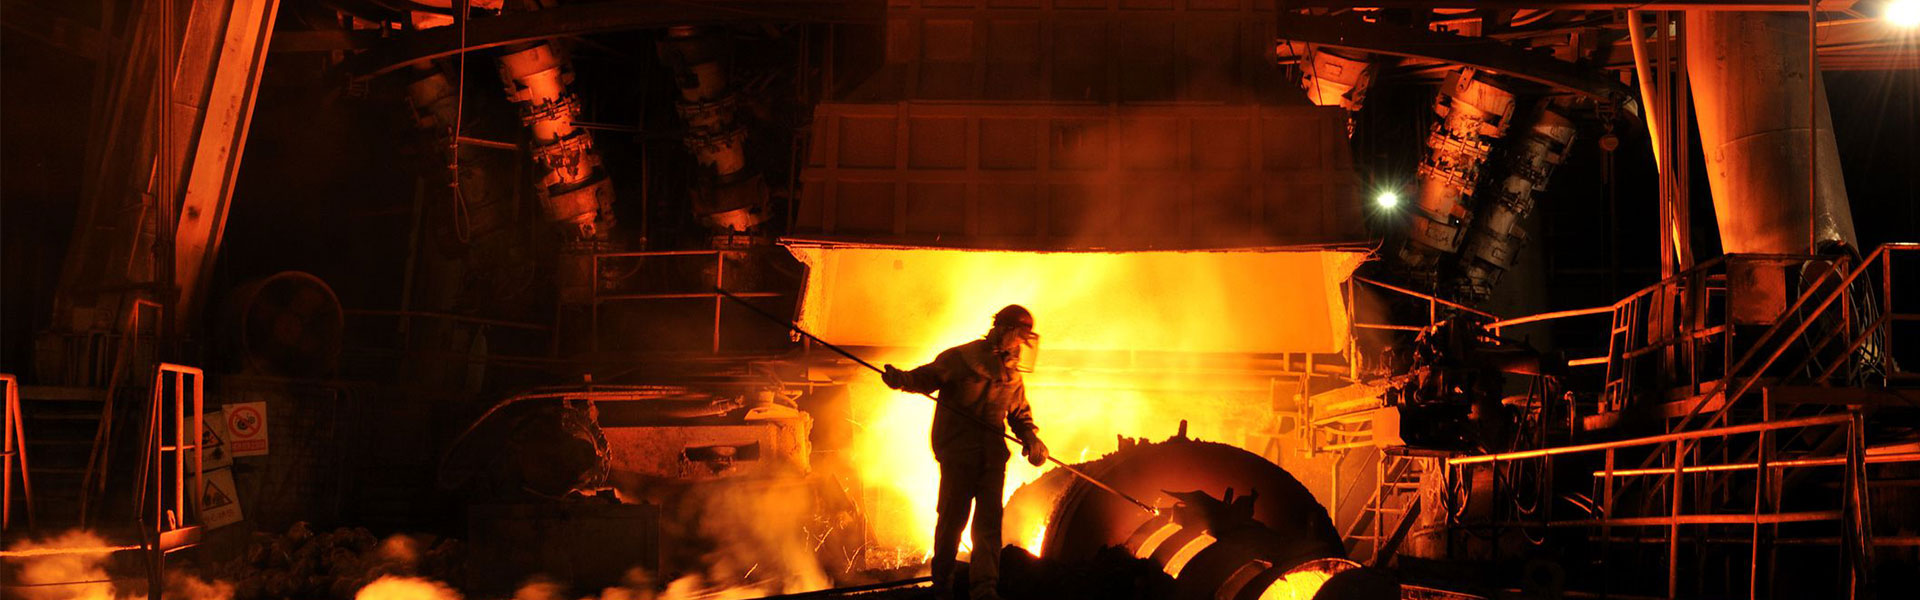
{"x":936,"y":401}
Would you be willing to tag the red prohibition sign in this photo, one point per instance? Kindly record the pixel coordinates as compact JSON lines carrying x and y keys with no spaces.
{"x":244,"y":422}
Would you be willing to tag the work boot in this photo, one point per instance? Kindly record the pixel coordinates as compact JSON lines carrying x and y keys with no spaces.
{"x":983,"y":590}
{"x":943,"y":585}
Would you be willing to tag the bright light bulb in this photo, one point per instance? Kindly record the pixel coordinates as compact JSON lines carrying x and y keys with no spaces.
{"x":1903,"y":13}
{"x":1387,"y":200}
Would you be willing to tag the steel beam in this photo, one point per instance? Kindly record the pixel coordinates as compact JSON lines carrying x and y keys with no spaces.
{"x":583,"y":19}
{"x":219,"y":137}
{"x":1481,"y":53}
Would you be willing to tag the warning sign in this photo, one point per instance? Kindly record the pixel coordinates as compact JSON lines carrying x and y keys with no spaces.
{"x":214,"y":452}
{"x":247,"y":429}
{"x":219,"y":503}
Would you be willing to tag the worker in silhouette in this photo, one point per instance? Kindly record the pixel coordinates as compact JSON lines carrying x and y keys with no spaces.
{"x":981,"y":394}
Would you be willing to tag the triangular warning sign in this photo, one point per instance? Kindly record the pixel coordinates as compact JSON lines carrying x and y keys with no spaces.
{"x":209,"y":438}
{"x":214,"y":498}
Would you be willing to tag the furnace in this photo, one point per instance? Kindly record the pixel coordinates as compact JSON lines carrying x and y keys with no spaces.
{"x":1287,"y":300}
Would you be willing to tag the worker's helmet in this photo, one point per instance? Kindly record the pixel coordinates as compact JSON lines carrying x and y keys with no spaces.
{"x":1013,"y":315}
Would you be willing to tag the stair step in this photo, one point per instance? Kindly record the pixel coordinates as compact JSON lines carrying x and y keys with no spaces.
{"x":61,"y":393}
{"x":81,"y":443}
{"x":60,"y":415}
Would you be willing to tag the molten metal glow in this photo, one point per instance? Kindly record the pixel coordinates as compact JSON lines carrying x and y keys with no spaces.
{"x":1156,"y":538}
{"x":1304,"y":581}
{"x":1134,"y":345}
{"x":1180,"y":558}
{"x":1034,"y":544}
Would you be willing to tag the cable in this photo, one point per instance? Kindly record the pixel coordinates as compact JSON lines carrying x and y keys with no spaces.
{"x":462,"y":227}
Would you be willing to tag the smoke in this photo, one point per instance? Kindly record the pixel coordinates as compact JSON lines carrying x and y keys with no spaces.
{"x":51,"y":576}
{"x":41,"y":570}
{"x":185,"y":586}
{"x":742,"y":538}
{"x":758,"y":531}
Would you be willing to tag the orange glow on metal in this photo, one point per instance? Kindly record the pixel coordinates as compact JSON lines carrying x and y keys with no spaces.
{"x":1179,"y":560}
{"x":1134,"y":343}
{"x":1304,"y":581}
{"x":1156,"y":538}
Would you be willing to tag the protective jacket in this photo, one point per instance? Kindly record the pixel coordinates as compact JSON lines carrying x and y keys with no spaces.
{"x":973,"y":379}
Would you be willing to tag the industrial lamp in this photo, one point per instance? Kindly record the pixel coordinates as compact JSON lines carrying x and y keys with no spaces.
{"x":1389,"y":200}
{"x":1902,"y":13}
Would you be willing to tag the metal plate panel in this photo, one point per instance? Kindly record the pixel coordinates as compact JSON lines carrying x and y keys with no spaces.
{"x":1072,"y":50}
{"x":1067,"y":177}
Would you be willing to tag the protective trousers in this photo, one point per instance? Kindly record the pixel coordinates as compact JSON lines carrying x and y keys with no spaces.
{"x":974,"y":482}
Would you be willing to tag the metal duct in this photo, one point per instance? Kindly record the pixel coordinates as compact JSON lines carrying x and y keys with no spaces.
{"x":1472,"y":109}
{"x":728,"y":197}
{"x":1750,"y":80}
{"x":1336,"y":78}
{"x":574,"y":190}
{"x":1496,"y":235}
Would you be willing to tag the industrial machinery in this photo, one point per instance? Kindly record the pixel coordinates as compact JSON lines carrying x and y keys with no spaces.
{"x":690,"y":473}
{"x":1265,"y":536}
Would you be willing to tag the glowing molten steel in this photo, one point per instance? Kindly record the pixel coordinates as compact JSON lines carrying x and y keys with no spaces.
{"x":1134,"y":343}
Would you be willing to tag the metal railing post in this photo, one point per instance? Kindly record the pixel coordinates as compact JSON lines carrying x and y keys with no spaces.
{"x":15,"y":445}
{"x":719,"y":282}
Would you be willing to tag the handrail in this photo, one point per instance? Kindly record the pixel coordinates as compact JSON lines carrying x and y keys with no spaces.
{"x":1721,"y":386}
{"x":1655,"y":439}
{"x":458,"y":318}
{"x":1578,"y":312}
{"x":1423,"y":296}
{"x":189,"y":408}
{"x":1781,"y":348}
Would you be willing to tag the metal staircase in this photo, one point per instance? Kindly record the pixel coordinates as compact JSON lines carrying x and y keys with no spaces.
{"x":59,"y":424}
{"x":1375,"y":533}
{"x":1724,"y":386}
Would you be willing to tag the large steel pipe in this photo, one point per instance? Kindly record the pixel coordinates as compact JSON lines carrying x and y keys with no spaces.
{"x":1337,"y":78}
{"x":1496,"y":236}
{"x":1472,"y":110}
{"x":729,"y":197}
{"x":1756,"y":93}
{"x":574,"y":189}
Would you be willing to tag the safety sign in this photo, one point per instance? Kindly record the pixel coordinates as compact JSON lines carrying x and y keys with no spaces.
{"x":214,"y":452}
{"x":219,"y":502}
{"x":247,"y":428}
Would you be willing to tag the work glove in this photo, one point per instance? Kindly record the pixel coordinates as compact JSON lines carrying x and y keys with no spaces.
{"x":1035,"y":450}
{"x":893,"y":377}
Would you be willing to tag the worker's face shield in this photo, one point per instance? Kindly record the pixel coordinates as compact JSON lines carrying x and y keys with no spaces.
{"x":1023,"y":347}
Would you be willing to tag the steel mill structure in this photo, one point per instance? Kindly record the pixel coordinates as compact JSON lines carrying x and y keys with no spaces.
{"x":1421,"y":299}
